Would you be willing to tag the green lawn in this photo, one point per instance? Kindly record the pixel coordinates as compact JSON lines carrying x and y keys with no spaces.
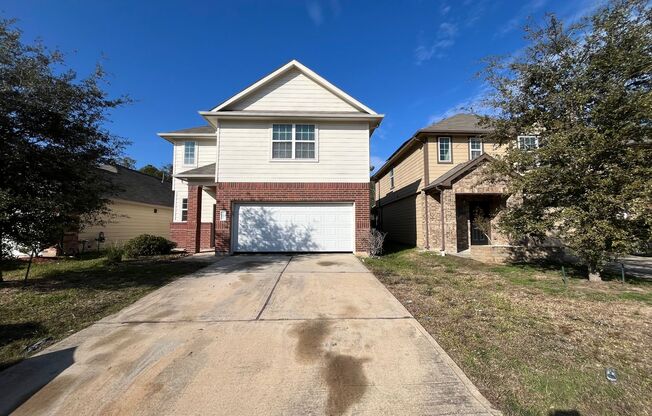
{"x":531,"y":344}
{"x":64,"y":296}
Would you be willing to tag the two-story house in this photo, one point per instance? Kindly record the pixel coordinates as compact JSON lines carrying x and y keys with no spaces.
{"x":431,"y":192}
{"x":282,"y":166}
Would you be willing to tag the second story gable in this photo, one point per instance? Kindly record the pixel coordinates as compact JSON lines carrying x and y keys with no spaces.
{"x":430,"y":153}
{"x":290,"y":126}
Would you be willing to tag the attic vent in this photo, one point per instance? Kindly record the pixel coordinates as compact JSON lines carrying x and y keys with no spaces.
{"x":109,"y":168}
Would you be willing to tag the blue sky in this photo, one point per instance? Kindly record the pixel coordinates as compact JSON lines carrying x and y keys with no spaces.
{"x":414,"y":61}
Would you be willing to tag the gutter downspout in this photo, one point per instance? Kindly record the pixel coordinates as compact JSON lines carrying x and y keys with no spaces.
{"x":426,"y":181}
{"x":443,"y":222}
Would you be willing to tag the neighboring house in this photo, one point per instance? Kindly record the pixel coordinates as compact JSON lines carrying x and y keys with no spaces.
{"x":142,"y":205}
{"x":431,"y":194}
{"x":282,"y":166}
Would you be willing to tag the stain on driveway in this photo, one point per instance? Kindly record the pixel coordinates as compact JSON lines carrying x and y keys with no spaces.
{"x":250,"y":335}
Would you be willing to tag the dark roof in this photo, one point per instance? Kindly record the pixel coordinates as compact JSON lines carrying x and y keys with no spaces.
{"x":200,"y":130}
{"x":208,"y":170}
{"x":459,"y":123}
{"x":138,"y":187}
{"x":446,"y":180}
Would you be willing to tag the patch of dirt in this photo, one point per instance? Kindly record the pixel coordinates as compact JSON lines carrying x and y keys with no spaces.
{"x":311,"y":336}
{"x":327,"y":263}
{"x":344,"y":374}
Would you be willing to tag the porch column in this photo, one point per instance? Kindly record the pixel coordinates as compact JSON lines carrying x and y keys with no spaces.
{"x":194,"y":219}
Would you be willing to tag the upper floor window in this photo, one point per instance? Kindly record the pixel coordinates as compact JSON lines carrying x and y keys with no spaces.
{"x":294,"y":141}
{"x":184,"y":209}
{"x":391,"y":178}
{"x":475,"y":147}
{"x":528,"y":142}
{"x":444,"y":149}
{"x":189,"y":153}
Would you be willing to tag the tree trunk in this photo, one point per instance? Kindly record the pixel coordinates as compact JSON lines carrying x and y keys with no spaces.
{"x":29,"y":266}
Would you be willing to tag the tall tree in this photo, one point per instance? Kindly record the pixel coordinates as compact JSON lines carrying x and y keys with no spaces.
{"x":127,"y":162}
{"x":584,"y":91}
{"x":52,"y":135}
{"x":164,"y":173}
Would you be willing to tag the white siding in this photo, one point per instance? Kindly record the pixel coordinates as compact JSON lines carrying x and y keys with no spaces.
{"x":179,"y":194}
{"x":245,"y":154}
{"x":292,"y":91}
{"x":207,"y":202}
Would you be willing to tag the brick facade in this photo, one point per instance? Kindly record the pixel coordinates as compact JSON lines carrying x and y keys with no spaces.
{"x":230,"y":193}
{"x":179,"y":234}
{"x":456,"y":222}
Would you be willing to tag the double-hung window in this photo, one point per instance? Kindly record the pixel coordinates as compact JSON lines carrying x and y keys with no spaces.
{"x":391,"y":178}
{"x":475,"y":147}
{"x":445,"y":149}
{"x":189,"y":153}
{"x":528,"y":142}
{"x":184,"y":209}
{"x":294,"y":142}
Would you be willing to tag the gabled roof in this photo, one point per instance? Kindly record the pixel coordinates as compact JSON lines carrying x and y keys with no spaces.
{"x":294,"y":64}
{"x":459,"y":123}
{"x":192,"y":130}
{"x":200,"y":131}
{"x":462,"y":123}
{"x":200,"y":172}
{"x":446,"y":180}
{"x":135,"y":186}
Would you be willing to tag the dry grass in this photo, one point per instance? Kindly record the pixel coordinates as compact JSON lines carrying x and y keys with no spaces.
{"x":64,"y":296}
{"x":531,"y":344}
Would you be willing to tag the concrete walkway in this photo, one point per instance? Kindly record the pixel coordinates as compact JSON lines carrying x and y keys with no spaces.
{"x":250,"y":335}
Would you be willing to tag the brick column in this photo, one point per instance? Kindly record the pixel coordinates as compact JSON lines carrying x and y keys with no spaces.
{"x":193,"y":229}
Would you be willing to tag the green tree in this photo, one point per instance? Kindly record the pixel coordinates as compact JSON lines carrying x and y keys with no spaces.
{"x":52,"y":135}
{"x":584,"y":91}
{"x":164,"y":173}
{"x":127,"y":162}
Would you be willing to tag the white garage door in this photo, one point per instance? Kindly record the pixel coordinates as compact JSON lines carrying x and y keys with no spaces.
{"x":293,"y":227}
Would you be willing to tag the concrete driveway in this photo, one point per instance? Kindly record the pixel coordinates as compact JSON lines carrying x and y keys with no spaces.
{"x":250,"y":335}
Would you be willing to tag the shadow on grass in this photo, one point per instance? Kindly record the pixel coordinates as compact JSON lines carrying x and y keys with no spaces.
{"x":101,"y":275}
{"x":564,"y":413}
{"x":19,"y":383}
{"x":13,"y":332}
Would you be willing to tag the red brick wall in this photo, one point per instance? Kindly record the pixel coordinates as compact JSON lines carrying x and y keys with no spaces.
{"x":179,"y":234}
{"x":230,"y":193}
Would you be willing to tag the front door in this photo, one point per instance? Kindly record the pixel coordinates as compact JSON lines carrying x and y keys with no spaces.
{"x":479,"y":214}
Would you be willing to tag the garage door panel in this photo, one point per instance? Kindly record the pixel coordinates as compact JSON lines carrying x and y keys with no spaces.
{"x":293,"y":227}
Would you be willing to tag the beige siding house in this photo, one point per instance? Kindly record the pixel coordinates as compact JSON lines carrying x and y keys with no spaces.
{"x":282,"y":166}
{"x":142,"y":205}
{"x":431,"y":191}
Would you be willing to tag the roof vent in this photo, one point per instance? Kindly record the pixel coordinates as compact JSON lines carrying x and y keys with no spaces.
{"x":109,"y":168}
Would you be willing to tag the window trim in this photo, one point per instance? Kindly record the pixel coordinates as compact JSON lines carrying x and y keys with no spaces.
{"x":182,"y":210}
{"x":450,"y":142}
{"x":194,"y":163}
{"x":481,"y":147}
{"x":294,"y":140}
{"x":391,"y":179}
{"x":523,"y":136}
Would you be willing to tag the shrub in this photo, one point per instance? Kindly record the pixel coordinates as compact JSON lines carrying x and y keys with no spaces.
{"x":114,"y":254}
{"x":148,"y":245}
{"x":376,"y":239}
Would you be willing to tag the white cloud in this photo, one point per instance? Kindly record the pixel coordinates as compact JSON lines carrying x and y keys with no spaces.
{"x":315,"y":12}
{"x":444,"y":8}
{"x":445,"y":38}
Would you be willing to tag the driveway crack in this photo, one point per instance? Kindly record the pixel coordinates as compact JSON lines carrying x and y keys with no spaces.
{"x":273,"y":288}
